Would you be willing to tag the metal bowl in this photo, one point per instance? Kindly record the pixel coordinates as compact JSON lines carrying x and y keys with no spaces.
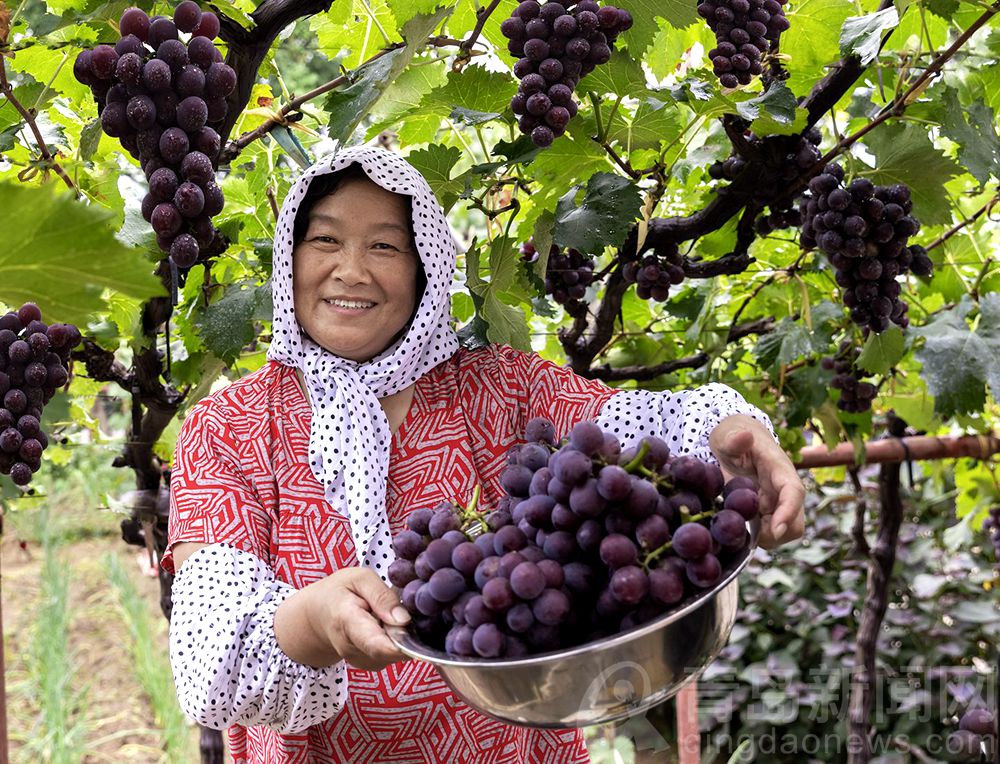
{"x":600,"y":681}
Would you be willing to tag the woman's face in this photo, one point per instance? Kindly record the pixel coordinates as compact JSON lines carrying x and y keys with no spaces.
{"x":354,"y":273}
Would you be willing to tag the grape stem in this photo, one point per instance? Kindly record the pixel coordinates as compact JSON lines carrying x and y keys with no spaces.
{"x":654,"y":554}
{"x":48,"y":161}
{"x":633,"y":466}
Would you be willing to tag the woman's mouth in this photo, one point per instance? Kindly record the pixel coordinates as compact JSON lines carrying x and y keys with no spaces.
{"x":350,"y":306}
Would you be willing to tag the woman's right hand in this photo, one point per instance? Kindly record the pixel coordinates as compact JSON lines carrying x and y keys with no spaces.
{"x":347,"y":609}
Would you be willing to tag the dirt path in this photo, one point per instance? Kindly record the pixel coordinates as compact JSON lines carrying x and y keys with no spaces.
{"x":120,"y":723}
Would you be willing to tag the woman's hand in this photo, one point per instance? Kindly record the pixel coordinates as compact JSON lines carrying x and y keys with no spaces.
{"x":744,"y":447}
{"x":340,"y":618}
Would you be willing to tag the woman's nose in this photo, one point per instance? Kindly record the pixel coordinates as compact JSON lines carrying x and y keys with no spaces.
{"x":351,"y":267}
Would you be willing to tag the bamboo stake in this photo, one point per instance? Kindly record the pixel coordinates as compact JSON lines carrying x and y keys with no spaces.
{"x":917,"y":448}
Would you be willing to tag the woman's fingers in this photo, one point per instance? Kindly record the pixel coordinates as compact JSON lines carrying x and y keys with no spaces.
{"x":381,"y":600}
{"x":370,"y":642}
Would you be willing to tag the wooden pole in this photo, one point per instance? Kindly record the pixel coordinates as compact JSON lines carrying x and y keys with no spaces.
{"x":688,"y":737}
{"x":917,"y":448}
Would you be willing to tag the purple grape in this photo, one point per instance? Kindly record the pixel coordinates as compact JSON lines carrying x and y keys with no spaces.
{"x":744,"y":501}
{"x":408,"y":544}
{"x":401,"y":572}
{"x":189,"y":199}
{"x":692,"y":541}
{"x":618,"y":551}
{"x":666,"y":586}
{"x":551,"y":607}
{"x":184,"y":250}
{"x":498,"y":595}
{"x":187,"y":16}
{"x":488,"y":641}
{"x":527,"y":580}
{"x":704,"y":572}
{"x":629,"y":585}
{"x":446,"y":584}
{"x":466,"y":558}
{"x":174,"y":145}
{"x":729,"y":529}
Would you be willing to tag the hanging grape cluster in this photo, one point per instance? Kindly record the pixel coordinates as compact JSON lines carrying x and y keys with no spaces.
{"x":589,"y":541}
{"x":779,"y":161}
{"x":34,"y":364}
{"x":556,"y":46}
{"x":567,"y":275}
{"x":864,"y":229}
{"x":745,"y":31}
{"x":856,"y":394}
{"x":655,"y":272}
{"x":162,"y":99}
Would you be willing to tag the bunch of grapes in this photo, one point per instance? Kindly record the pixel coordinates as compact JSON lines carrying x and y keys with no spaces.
{"x":34,"y":363}
{"x":567,"y":275}
{"x":781,"y":159}
{"x":856,"y":395}
{"x":745,"y":30}
{"x":655,"y":272}
{"x":976,"y":727}
{"x":863,"y":229}
{"x":582,"y":522}
{"x":162,"y":99}
{"x":556,"y":45}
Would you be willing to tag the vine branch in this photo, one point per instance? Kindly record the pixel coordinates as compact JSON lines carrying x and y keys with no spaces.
{"x":466,"y":45}
{"x":876,"y":601}
{"x":29,"y":118}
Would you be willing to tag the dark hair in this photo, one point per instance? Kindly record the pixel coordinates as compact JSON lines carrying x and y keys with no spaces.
{"x":325,"y":185}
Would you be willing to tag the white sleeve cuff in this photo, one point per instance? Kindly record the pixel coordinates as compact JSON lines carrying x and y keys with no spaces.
{"x":684,"y":419}
{"x":227,"y":665}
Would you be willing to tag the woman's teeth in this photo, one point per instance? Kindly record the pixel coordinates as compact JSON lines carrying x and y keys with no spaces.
{"x":352,"y":305}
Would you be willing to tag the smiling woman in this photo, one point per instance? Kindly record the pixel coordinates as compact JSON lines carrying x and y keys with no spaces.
{"x":283,"y":505}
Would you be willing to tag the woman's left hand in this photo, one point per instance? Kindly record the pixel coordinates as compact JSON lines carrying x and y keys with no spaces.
{"x":744,"y":447}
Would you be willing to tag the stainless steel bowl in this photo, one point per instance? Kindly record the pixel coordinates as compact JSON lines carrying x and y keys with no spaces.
{"x":600,"y":681}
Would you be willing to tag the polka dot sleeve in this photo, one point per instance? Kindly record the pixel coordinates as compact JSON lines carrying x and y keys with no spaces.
{"x":683,"y":419}
{"x":227,"y":665}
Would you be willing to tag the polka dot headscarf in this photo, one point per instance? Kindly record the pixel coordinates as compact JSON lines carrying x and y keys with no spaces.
{"x":350,"y":439}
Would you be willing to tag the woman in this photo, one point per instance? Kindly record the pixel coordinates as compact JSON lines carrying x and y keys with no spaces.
{"x":288,"y":483}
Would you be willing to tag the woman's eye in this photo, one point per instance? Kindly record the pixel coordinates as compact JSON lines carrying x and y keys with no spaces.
{"x":322,"y":238}
{"x":383,"y":244}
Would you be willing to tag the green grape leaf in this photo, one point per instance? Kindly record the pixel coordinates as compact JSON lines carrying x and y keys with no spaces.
{"x":774,"y":112}
{"x":400,"y":100}
{"x":809,"y":42}
{"x":62,"y":255}
{"x":862,"y":35}
{"x":435,"y":164}
{"x":622,"y":75}
{"x":474,"y":88}
{"x":905,"y":154}
{"x":973,"y":128}
{"x":789,"y":340}
{"x":610,"y":205}
{"x":958,"y":361}
{"x":645,"y":24}
{"x":90,"y":138}
{"x":506,"y":324}
{"x":650,"y":125}
{"x":519,"y":151}
{"x":227,"y":325}
{"x":882,"y":351}
{"x":944,"y":9}
{"x":348,"y":106}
